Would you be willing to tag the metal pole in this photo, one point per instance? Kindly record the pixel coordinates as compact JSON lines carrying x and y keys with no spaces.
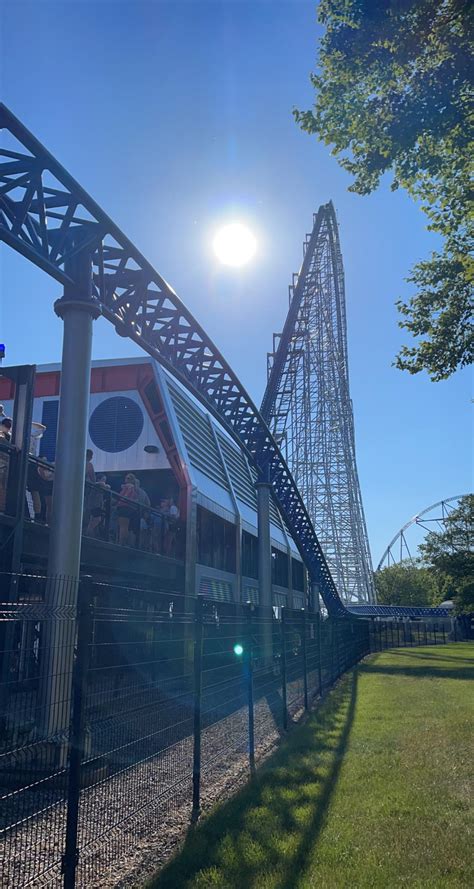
{"x":332,"y":622}
{"x":76,"y":740}
{"x":198,"y":640}
{"x":305,"y":665}
{"x":320,"y":675}
{"x":283,"y":668}
{"x":77,"y":309}
{"x":338,"y":638}
{"x":249,"y":671}
{"x":265,"y":568}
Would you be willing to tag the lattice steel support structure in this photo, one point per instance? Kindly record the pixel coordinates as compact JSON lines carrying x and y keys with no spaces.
{"x":308,"y":408}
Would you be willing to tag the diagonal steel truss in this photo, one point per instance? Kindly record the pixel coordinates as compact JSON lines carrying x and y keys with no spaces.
{"x":308,"y":408}
{"x":46,"y":216}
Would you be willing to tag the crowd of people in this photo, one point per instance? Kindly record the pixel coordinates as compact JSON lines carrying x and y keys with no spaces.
{"x":128,"y":518}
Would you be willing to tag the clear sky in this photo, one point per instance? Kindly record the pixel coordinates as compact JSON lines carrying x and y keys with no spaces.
{"x":176,"y":117}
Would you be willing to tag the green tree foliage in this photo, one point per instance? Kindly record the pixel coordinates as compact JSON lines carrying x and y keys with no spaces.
{"x":393,"y":93}
{"x":449,"y":554}
{"x":464,"y":600}
{"x":406,"y":584}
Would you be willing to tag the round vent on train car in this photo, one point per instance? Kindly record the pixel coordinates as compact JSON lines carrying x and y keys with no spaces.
{"x":116,"y":424}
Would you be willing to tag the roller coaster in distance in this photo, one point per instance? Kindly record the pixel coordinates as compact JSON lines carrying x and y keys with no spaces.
{"x":399,"y":549}
{"x":47,"y":217}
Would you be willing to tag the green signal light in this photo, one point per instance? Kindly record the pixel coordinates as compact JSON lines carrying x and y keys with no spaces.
{"x":238,"y":649}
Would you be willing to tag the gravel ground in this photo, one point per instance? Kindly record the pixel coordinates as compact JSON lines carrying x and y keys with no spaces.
{"x":131,"y":822}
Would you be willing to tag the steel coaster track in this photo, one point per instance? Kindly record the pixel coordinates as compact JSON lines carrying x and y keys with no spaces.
{"x":47,"y":217}
{"x":308,"y":408}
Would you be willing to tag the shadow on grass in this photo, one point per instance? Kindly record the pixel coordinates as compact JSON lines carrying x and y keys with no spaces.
{"x":418,"y":672}
{"x":423,"y":655}
{"x":272,"y":824}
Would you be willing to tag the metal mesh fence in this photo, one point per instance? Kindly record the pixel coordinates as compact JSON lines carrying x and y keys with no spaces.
{"x":123,"y":711}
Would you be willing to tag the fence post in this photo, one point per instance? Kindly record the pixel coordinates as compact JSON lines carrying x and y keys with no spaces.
{"x":338,"y":651}
{"x":425,"y":633}
{"x":320,"y":675}
{"x":455,"y":630}
{"x":434,"y":632}
{"x":305,"y":663}
{"x":249,"y":676}
{"x":333,"y":650}
{"x":283,"y":667}
{"x":70,"y":858}
{"x":198,"y":636}
{"x":444,"y":634}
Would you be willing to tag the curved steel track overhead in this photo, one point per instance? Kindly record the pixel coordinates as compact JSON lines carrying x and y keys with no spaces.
{"x":46,"y":216}
{"x":400,"y":535}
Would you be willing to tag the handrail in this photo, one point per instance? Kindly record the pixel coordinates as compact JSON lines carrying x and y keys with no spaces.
{"x":158,"y":537}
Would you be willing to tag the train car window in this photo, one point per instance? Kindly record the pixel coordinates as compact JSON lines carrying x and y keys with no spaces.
{"x":216,"y":541}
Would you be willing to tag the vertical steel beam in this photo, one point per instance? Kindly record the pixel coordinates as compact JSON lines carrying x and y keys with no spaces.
{"x":198,"y":646}
{"x":77,"y":732}
{"x":265,"y":568}
{"x":305,"y":659}
{"x":283,"y":668}
{"x":78,"y":309}
{"x":249,"y":677}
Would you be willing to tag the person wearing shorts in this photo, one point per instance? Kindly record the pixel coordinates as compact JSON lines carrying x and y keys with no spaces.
{"x":126,"y":512}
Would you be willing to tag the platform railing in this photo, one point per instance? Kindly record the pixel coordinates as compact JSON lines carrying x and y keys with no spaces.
{"x":149,"y":529}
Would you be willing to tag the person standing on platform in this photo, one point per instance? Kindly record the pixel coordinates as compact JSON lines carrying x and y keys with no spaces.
{"x":89,"y":494}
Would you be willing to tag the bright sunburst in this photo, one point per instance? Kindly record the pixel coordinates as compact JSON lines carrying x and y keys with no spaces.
{"x":234,"y":244}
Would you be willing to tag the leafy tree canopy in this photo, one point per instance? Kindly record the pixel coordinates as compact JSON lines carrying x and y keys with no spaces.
{"x":393,"y":93}
{"x":464,"y":601}
{"x":450,"y":554}
{"x":405,"y":584}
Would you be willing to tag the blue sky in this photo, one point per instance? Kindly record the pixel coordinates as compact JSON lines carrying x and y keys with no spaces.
{"x":176,"y":117}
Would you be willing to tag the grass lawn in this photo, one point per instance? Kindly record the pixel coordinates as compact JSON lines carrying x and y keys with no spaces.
{"x":373,"y":791}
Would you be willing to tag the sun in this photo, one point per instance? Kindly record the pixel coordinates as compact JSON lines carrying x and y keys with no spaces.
{"x":234,"y":244}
